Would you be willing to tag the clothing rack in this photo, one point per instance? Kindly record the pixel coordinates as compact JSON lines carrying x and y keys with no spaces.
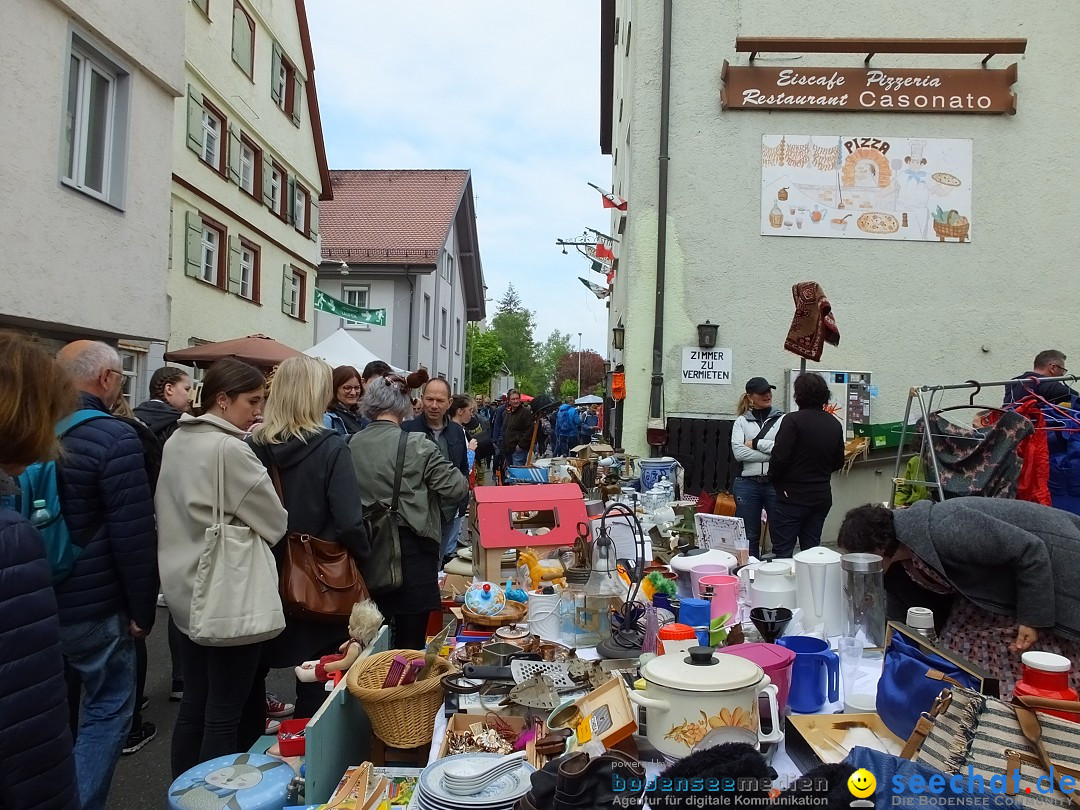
{"x":925,"y":396}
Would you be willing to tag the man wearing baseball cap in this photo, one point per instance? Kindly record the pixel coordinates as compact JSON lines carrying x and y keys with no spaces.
{"x":752,"y":438}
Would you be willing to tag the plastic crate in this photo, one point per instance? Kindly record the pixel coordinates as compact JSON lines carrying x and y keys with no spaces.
{"x":884,"y":434}
{"x":292,"y":747}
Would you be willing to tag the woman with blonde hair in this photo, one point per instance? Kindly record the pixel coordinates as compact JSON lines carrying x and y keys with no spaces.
{"x":752,"y":438}
{"x":36,"y":764}
{"x":223,"y":709}
{"x":320,"y":493}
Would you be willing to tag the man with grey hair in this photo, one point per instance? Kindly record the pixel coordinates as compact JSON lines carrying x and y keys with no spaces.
{"x":1048,"y":363}
{"x":109,"y":597}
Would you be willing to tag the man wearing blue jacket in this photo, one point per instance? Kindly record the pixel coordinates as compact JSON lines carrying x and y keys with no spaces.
{"x":108,"y":600}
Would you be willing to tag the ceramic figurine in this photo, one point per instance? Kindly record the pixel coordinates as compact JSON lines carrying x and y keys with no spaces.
{"x":364,"y":624}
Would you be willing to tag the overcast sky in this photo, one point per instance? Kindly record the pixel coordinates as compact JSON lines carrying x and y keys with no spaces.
{"x":509,"y":90}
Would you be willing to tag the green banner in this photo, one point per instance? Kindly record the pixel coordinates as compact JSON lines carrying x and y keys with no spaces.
{"x":375,"y":317}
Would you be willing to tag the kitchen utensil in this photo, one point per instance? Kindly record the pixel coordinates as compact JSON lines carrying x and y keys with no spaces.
{"x":696,"y":613}
{"x":770,"y":622}
{"x":497,"y":654}
{"x":653,"y":469}
{"x":687,"y":698}
{"x":815,"y":675}
{"x":683,"y":564}
{"x":864,"y":598}
{"x":770,"y":584}
{"x":850,"y":651}
{"x":558,"y":673}
{"x":1046,"y":675}
{"x":463,"y":779}
{"x":500,"y":794}
{"x":676,"y":639}
{"x":819,"y":590}
{"x":722,"y":592}
{"x":775,"y":661}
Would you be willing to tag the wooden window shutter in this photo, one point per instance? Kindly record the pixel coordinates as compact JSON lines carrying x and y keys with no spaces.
{"x":313,"y":218}
{"x":286,"y":290}
{"x":291,"y":206}
{"x":240,"y":53}
{"x":275,"y":67}
{"x":298,"y":94}
{"x":234,"y":264}
{"x":194,"y":121}
{"x":234,"y":154}
{"x":193,"y":245}
{"x":267,"y":175}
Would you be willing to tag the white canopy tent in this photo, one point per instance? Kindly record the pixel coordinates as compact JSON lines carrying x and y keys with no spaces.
{"x":342,"y":349}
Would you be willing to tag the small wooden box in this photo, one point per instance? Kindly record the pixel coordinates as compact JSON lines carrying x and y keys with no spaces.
{"x":459,"y":723}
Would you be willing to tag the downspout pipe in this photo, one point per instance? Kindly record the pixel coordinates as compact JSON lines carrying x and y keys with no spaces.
{"x":656,"y":397}
{"x":412,"y":313}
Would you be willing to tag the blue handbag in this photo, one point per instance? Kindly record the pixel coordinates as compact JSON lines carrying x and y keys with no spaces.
{"x":913,"y":675}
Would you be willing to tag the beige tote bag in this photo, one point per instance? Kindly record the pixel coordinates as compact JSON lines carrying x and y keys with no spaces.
{"x":235,"y":600}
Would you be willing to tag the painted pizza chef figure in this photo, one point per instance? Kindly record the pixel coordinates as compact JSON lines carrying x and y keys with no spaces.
{"x":913,"y":188}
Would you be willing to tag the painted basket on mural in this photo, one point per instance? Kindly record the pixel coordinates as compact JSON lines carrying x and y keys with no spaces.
{"x":958,"y":230}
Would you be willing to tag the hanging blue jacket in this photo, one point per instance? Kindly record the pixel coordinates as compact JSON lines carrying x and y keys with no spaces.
{"x":36,"y":766}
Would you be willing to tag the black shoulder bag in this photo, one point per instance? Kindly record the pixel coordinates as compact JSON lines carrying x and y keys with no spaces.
{"x":382,"y":570}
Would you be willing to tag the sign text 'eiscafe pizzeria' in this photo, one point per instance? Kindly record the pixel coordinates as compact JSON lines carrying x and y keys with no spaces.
{"x":869,"y":89}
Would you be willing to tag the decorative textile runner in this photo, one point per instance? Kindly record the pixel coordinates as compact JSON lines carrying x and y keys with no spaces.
{"x":813,"y":324}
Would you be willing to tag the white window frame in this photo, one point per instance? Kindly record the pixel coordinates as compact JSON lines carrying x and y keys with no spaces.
{"x":208,"y":132}
{"x":131,"y":375}
{"x":427,"y":316}
{"x":247,"y":168}
{"x":282,"y":80}
{"x":448,"y":267}
{"x":296,"y":285}
{"x":300,"y":203}
{"x":248,"y":259}
{"x":350,"y":294}
{"x":86,"y":66}
{"x":444,"y":327}
{"x":277,"y":188}
{"x":210,"y":247}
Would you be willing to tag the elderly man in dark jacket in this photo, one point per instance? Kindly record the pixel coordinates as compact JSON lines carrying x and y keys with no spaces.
{"x":450,"y":437}
{"x":517,"y":429}
{"x":110,"y":595}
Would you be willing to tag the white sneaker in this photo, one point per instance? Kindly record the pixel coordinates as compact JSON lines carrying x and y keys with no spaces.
{"x":272,"y":726}
{"x":161,"y":600}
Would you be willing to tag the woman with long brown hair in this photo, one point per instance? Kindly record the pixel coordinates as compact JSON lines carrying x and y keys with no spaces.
{"x":36,"y":764}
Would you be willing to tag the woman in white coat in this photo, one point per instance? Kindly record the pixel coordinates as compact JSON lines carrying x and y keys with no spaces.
{"x":752,"y":438}
{"x":224,"y":705}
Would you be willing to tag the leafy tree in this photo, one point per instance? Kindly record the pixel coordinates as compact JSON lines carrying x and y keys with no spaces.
{"x":484,"y":358}
{"x":549,"y":353}
{"x":568,"y":389}
{"x":513,"y":326}
{"x":592,"y":371}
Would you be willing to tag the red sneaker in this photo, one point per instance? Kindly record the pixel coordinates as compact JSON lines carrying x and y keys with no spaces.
{"x":275,"y":708}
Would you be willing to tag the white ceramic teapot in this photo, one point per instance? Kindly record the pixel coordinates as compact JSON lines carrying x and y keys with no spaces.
{"x":819,"y":590}
{"x":770,"y":584}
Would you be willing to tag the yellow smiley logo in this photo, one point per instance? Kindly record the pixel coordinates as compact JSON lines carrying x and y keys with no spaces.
{"x":861,"y":784}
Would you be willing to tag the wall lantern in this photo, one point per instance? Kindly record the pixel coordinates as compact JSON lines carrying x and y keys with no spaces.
{"x":706,"y":335}
{"x":618,"y":334}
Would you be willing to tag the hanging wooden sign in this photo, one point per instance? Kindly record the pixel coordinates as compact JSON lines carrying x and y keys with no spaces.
{"x":927,"y":90}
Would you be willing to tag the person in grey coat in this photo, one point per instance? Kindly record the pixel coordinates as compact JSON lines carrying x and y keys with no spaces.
{"x":1012,"y":568}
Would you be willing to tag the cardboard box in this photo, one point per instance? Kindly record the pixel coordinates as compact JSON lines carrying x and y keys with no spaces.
{"x":461,"y":722}
{"x":586,"y":451}
{"x":817,"y":739}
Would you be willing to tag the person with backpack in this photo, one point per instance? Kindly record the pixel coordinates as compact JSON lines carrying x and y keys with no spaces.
{"x":108,"y":595}
{"x":37,"y":768}
{"x":567,"y":427}
{"x":383,"y":454}
{"x":313,"y":468}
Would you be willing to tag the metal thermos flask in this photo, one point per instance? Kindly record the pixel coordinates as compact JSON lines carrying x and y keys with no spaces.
{"x":864,"y":598}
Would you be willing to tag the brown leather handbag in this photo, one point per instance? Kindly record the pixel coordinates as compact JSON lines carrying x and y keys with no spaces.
{"x":320,"y":581}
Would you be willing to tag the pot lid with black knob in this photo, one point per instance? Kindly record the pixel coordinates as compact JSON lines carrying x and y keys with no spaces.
{"x":701,"y":671}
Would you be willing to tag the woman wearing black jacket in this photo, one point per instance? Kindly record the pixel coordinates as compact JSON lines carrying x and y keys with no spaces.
{"x":320,"y":494}
{"x":809,"y":448}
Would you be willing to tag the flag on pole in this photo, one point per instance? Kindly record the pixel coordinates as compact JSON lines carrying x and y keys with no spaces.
{"x":597,"y":267}
{"x":604,"y":252}
{"x":595,"y":289}
{"x":611,"y":200}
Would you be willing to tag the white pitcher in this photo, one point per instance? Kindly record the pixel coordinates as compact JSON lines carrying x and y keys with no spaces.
{"x":773,"y":585}
{"x":819,"y":590}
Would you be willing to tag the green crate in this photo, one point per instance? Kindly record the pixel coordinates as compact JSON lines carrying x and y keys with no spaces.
{"x":884,"y":434}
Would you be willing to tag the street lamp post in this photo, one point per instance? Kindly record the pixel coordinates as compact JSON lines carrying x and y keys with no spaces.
{"x":579,"y":365}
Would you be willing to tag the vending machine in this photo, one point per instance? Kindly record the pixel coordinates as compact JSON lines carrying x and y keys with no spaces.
{"x":851,"y":394}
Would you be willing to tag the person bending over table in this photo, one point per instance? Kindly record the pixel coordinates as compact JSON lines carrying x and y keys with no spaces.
{"x":1011,"y":569}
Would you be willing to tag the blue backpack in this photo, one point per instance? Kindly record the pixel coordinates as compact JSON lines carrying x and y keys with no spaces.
{"x":39,"y":482}
{"x":565,"y":422}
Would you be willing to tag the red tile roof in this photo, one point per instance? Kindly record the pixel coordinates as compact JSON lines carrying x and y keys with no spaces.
{"x":398,"y":216}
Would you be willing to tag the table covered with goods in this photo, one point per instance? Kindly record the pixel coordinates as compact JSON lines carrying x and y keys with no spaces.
{"x":621,"y":648}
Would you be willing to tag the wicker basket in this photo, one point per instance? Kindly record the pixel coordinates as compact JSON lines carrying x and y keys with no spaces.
{"x":512,"y":613}
{"x":957,"y":231}
{"x":401,"y":716}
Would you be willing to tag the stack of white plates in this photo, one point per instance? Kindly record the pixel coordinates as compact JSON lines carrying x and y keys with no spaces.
{"x":502,"y":794}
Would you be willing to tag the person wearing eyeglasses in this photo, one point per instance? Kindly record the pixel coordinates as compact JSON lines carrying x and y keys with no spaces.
{"x":1048,"y":363}
{"x":343,"y":414}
